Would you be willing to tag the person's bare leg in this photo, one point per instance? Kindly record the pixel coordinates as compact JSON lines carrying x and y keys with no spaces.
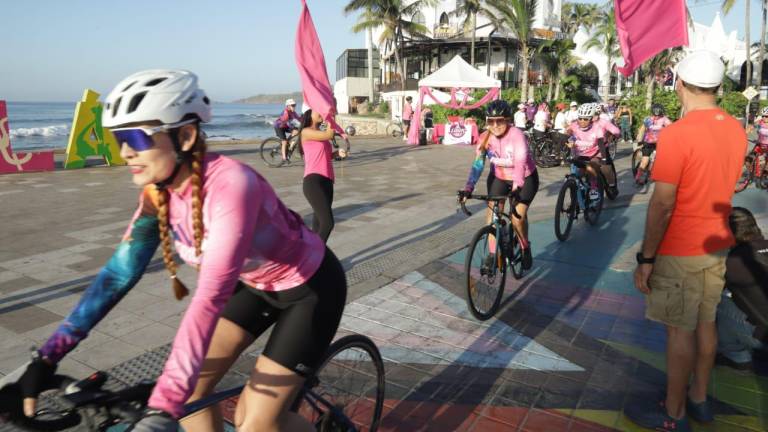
{"x":681,"y":354}
{"x":283,"y":148}
{"x":521,"y":225}
{"x":265,"y":401}
{"x":644,"y":162}
{"x":706,"y":348}
{"x":229,"y":340}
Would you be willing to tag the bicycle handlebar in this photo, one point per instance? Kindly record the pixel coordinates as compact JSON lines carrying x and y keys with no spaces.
{"x":512,"y":196}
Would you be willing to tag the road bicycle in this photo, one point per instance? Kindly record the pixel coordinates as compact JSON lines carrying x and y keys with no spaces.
{"x":579,"y":194}
{"x":345,"y":393}
{"x":485,"y":268}
{"x":754,"y":169}
{"x":270,"y":149}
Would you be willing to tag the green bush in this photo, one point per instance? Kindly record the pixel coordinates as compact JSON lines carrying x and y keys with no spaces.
{"x":383,"y":107}
{"x":734,"y":103}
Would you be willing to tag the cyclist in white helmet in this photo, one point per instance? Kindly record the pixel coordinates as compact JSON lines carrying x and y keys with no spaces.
{"x":258,"y":265}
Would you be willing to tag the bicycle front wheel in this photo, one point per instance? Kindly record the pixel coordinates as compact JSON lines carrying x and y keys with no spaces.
{"x":347,"y":390}
{"x":746,"y":174}
{"x":485,"y":272}
{"x":565,"y":210}
{"x":637,"y":157}
{"x":594,"y":204}
{"x":612,"y":147}
{"x":394,"y":130}
{"x":270,"y":152}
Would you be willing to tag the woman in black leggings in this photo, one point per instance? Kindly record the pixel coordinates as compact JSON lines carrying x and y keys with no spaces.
{"x":318,"y":171}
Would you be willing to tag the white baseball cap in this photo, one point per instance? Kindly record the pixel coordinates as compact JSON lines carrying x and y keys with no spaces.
{"x":574,"y":103}
{"x":520,"y":106}
{"x":290,"y":102}
{"x":701,"y":68}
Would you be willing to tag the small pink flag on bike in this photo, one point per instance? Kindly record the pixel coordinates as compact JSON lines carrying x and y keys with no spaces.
{"x":315,"y":85}
{"x":647,"y":27}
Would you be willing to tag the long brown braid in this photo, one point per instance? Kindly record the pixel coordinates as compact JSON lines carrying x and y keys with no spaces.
{"x":163,"y":214}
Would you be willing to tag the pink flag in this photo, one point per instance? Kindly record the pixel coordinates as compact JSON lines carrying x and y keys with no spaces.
{"x":316,"y":87}
{"x":647,"y":27}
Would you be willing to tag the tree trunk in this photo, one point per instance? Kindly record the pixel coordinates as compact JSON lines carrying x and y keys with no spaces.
{"x":472,"y":41}
{"x":550,"y":88}
{"x":370,"y":67}
{"x":761,"y":55}
{"x":748,"y":81}
{"x":398,"y":60}
{"x":649,"y":90}
{"x":524,"y":67}
{"x":557,"y":86}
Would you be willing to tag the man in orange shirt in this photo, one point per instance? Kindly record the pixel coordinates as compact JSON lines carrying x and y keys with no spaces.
{"x":681,"y":265}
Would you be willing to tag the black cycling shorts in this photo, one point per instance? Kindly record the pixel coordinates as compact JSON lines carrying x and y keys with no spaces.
{"x":281,"y":133}
{"x":305,"y":317}
{"x":648,"y":148}
{"x":407,"y":123}
{"x":525,"y":195}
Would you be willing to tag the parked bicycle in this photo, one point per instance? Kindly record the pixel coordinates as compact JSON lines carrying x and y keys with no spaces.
{"x":754,"y":169}
{"x":493,"y":248}
{"x":346,"y":393}
{"x":395,"y":128}
{"x":579,"y":194}
{"x":270,"y":149}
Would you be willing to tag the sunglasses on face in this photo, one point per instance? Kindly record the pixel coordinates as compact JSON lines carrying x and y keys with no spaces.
{"x":140,"y":138}
{"x":496,"y":121}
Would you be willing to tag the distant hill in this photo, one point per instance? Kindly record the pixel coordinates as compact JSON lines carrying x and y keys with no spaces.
{"x":271,"y":98}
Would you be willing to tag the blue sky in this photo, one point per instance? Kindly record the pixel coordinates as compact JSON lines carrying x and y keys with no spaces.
{"x":54,"y":49}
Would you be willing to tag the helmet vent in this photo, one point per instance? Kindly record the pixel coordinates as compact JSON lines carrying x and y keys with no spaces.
{"x":116,"y":106}
{"x":129,"y":86}
{"x":155,"y":82}
{"x":206,"y":100}
{"x":135,"y":101}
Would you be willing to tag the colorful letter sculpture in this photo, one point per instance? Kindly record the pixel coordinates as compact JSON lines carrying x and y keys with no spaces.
{"x":88,"y":138}
{"x":11,"y":162}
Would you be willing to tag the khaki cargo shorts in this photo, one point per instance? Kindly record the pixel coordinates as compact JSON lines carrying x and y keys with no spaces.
{"x":686,"y":290}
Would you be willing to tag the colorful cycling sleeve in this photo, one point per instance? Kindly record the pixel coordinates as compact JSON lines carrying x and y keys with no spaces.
{"x":121,"y":273}
{"x":478,"y":164}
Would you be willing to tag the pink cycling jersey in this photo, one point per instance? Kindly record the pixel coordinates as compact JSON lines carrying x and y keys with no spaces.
{"x":511,"y":157}
{"x":248,"y":235}
{"x":653,"y":126}
{"x":762,"y":132}
{"x":318,"y":158}
{"x":585,"y":142}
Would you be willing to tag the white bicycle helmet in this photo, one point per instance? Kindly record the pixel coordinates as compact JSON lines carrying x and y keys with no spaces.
{"x":586,"y":110}
{"x":163,"y":95}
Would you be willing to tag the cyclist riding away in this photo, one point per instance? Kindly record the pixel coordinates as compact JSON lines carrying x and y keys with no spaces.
{"x":257,"y":263}
{"x":586,"y":136}
{"x":513,"y":170}
{"x":288,"y":122}
{"x":649,"y":131}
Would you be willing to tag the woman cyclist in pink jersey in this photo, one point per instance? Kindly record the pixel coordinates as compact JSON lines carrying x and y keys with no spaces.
{"x":512,"y":169}
{"x":318,"y":171}
{"x":586,"y":141}
{"x":649,"y":134}
{"x":258,"y":266}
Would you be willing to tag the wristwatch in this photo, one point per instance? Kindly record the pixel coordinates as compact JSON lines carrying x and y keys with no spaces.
{"x":643,"y":260}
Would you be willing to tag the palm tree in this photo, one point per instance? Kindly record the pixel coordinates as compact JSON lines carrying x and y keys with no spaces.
{"x":394,"y":18}
{"x":727,"y":6}
{"x":761,"y":53}
{"x":518,"y":17}
{"x":656,"y":66}
{"x":578,"y":14}
{"x":605,"y":39}
{"x":470,"y":9}
{"x":557,"y":57}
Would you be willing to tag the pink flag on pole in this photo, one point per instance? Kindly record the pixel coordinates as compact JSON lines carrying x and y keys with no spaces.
{"x":647,"y":27}
{"x":316,"y":87}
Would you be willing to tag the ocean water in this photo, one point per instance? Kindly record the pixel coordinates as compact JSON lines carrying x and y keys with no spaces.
{"x":36,"y":125}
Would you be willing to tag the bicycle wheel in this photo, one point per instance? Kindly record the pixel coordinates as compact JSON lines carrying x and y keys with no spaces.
{"x":270,"y":152}
{"x":612,"y":147}
{"x":515,"y":255}
{"x":594,"y":206}
{"x":746,"y":174}
{"x":485,"y":272}
{"x":565,"y":210}
{"x":394,"y":130}
{"x":347,"y":389}
{"x":610,"y":192}
{"x":637,"y":157}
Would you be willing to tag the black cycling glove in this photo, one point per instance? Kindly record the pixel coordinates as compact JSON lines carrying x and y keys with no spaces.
{"x":36,"y":377}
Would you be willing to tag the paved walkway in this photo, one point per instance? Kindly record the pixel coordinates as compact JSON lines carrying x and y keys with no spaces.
{"x":566,"y":351}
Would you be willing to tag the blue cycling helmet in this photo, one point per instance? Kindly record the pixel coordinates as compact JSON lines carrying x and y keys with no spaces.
{"x":498,"y":108}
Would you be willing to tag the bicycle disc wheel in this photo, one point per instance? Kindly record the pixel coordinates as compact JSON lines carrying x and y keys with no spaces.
{"x":270,"y":152}
{"x":516,"y":255}
{"x":746,"y":174}
{"x":348,"y":387}
{"x":594,"y":206}
{"x":394,"y":130}
{"x":485,"y":274}
{"x":565,"y":210}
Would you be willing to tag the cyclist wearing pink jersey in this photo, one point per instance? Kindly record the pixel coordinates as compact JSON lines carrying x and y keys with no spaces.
{"x":587,"y":135}
{"x":513,"y":169}
{"x":761,"y":124}
{"x":258,"y":265}
{"x":649,"y":131}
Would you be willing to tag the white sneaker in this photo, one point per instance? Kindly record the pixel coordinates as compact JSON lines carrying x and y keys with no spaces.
{"x":593,"y":195}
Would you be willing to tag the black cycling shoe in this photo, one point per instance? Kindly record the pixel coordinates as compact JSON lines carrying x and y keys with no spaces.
{"x":527,"y":258}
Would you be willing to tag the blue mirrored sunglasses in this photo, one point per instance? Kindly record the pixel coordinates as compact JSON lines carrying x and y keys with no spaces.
{"x":140,"y":138}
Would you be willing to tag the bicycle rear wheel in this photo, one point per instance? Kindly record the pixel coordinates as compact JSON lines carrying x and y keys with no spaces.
{"x":594,"y":206}
{"x":394,"y":130}
{"x":611,"y":192}
{"x":270,"y":152}
{"x":485,"y":274}
{"x":565,"y":210}
{"x":516,"y":255}
{"x":746,"y":174}
{"x":637,"y":156}
{"x":347,"y":389}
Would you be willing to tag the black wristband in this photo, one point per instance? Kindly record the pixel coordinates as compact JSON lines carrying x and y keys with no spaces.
{"x":643,"y":260}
